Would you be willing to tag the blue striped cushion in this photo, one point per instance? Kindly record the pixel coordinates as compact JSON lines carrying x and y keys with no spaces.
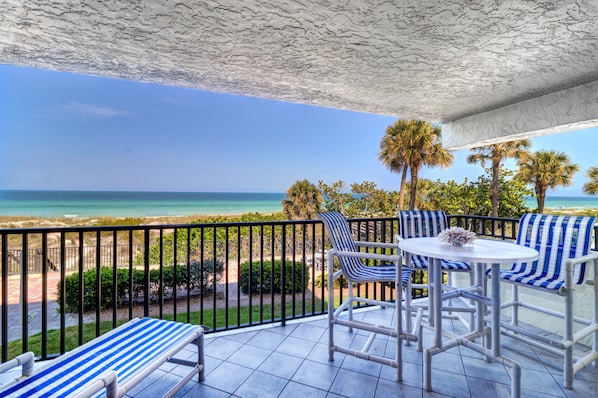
{"x":427,"y":223}
{"x":556,"y":238}
{"x":353,"y":267}
{"x":125,"y":350}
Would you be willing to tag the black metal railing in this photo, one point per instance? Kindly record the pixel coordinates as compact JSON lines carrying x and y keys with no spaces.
{"x":35,"y":258}
{"x":223,"y":276}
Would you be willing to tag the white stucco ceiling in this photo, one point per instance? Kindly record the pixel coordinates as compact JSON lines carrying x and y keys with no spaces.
{"x":485,"y":69}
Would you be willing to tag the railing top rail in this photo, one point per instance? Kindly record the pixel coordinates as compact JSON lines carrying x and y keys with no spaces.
{"x":9,"y":231}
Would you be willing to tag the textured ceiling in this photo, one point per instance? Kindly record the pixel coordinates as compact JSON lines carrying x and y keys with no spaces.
{"x":435,"y":60}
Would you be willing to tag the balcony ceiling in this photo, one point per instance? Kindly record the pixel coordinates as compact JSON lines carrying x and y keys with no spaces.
{"x":487,"y":70}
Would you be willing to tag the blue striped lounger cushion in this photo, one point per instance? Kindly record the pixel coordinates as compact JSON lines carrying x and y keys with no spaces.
{"x":131,"y":352}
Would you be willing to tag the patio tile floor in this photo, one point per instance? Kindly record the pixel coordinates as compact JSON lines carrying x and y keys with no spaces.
{"x":292,"y":361}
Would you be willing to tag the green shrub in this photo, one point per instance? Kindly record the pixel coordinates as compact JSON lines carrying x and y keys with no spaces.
{"x":271,"y":281}
{"x":72,"y":302}
{"x":197,"y":276}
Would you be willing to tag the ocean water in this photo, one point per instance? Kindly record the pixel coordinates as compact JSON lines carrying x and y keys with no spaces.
{"x":566,"y":202}
{"x":147,"y":204}
{"x":134,"y":204}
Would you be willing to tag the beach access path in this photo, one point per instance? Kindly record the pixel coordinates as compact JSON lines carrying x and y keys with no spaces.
{"x":34,"y":310}
{"x":35,"y":294}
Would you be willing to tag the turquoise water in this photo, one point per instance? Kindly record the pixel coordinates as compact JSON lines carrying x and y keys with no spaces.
{"x":134,"y":204}
{"x":147,"y":204}
{"x":566,"y":202}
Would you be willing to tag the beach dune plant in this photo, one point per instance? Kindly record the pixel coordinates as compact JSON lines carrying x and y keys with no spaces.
{"x":211,"y":229}
{"x":363,"y":200}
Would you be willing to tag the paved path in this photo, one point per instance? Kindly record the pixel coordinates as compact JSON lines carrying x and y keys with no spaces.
{"x":34,"y":296}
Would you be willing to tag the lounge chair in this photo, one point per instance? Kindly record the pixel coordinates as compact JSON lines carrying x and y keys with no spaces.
{"x":111,"y":364}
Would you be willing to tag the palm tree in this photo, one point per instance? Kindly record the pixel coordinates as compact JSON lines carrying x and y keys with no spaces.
{"x":392,"y":156}
{"x":412,"y":144}
{"x":591,"y":187}
{"x":303,"y":202}
{"x":546,"y":169}
{"x":496,"y":153}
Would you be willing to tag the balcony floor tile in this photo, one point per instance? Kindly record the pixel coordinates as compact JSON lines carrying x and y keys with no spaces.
{"x":292,"y":361}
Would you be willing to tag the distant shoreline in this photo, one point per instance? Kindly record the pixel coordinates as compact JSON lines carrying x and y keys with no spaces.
{"x":14,"y":222}
{"x":86,"y":204}
{"x":57,"y":222}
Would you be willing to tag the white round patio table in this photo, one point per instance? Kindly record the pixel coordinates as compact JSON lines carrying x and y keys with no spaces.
{"x":480,"y":251}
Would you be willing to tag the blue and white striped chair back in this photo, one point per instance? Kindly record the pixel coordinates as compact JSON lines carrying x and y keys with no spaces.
{"x":556,"y":238}
{"x":342,"y":240}
{"x":425,"y":224}
{"x":421,"y":223}
{"x":353,"y":267}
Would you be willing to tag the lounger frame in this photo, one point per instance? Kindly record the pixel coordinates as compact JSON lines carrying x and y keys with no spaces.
{"x":112,"y":364}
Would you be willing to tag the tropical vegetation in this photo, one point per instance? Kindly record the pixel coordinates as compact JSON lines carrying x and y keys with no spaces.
{"x":411,"y":145}
{"x":496,"y":154}
{"x":303,"y":201}
{"x":546,"y":169}
{"x":591,"y":186}
{"x":468,"y":197}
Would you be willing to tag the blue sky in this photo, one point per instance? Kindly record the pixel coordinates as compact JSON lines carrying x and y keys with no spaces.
{"x":69,"y":132}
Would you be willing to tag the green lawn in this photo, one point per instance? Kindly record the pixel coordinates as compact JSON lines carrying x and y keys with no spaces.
{"x":237,"y":317}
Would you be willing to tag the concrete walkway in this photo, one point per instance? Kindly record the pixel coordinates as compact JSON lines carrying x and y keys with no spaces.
{"x":34,"y":310}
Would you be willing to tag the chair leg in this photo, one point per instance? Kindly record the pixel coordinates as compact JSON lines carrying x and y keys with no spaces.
{"x":330,"y":307}
{"x":449,"y":281}
{"x":408,"y":311}
{"x":515,"y":309}
{"x":595,"y":311}
{"x":568,"y":338}
{"x":398,"y":314}
{"x":568,"y":334}
{"x":350,"y":296}
{"x":472,"y":282}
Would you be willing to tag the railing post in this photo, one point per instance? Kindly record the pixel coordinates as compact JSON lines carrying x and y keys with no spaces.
{"x":283,"y":271}
{"x":4,"y":341}
{"x":146,"y":267}
{"x":98,"y":281}
{"x":44,"y":265}
{"x":23,"y":293}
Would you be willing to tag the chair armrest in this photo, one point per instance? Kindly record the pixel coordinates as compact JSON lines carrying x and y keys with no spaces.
{"x":26,"y":360}
{"x":578,"y":260}
{"x":376,"y":244}
{"x":570,"y":264}
{"x":372,"y":256}
{"x":107,"y":380}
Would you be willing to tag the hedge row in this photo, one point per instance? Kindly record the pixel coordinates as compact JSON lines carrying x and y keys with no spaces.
{"x":194,"y":277}
{"x":266,"y":278}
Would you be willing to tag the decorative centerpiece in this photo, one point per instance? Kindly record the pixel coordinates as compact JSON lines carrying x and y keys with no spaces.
{"x":456,"y":236}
